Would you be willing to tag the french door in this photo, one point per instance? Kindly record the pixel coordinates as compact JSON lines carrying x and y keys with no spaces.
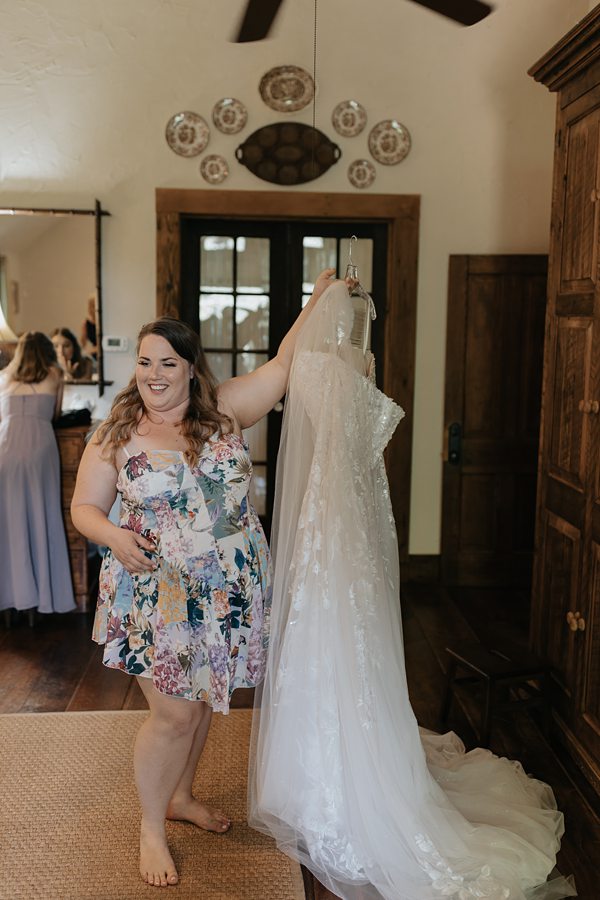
{"x":244,"y":282}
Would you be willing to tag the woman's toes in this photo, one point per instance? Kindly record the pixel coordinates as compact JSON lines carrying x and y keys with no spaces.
{"x":172,"y":878}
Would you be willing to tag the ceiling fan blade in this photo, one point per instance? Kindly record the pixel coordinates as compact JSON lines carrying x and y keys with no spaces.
{"x":467,"y":12}
{"x":258,"y":19}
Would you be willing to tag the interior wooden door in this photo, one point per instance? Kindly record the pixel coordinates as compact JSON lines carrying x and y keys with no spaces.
{"x":495,"y":337}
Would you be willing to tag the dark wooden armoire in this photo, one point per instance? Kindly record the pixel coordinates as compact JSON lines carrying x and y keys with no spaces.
{"x":566,"y":587}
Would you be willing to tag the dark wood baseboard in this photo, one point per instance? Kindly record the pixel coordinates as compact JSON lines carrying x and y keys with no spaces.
{"x":421,"y":568}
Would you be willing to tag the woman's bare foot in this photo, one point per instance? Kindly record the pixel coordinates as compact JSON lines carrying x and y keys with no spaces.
{"x":156,"y":863}
{"x":191,"y":810}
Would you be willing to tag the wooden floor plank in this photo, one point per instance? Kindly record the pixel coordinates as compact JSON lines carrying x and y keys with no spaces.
{"x":99,"y":687}
{"x":55,"y":665}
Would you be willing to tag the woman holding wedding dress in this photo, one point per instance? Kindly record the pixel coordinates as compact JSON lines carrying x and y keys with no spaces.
{"x":340,"y":773}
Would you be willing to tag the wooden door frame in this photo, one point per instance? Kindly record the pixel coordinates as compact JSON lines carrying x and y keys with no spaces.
{"x":399,"y":212}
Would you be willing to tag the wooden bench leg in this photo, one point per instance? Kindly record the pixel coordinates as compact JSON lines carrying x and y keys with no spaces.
{"x":447,"y":701}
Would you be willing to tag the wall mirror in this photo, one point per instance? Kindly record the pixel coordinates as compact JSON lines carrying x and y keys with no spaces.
{"x":50,"y":278}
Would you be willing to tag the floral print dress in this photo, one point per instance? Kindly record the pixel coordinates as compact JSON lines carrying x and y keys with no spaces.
{"x":198,"y":624}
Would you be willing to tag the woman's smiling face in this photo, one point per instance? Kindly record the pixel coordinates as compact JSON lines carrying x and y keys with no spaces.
{"x":163,"y":377}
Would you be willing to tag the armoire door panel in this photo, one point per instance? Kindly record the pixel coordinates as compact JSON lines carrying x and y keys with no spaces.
{"x":561,"y":587}
{"x":562,"y":500}
{"x":569,"y":424}
{"x":574,"y":305}
{"x":588,"y":729}
{"x":579,"y":253}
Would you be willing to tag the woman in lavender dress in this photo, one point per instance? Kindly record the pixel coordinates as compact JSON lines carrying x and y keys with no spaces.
{"x":34,"y":559}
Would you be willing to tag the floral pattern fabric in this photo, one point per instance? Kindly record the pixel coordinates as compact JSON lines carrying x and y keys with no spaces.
{"x":198,"y":624}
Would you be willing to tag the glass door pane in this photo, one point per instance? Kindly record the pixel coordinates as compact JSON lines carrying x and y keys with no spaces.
{"x":234,"y":300}
{"x":318,"y":253}
{"x":216,"y":263}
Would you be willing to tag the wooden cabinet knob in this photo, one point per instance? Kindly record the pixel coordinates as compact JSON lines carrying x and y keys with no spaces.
{"x":589,"y":406}
{"x":575,"y":621}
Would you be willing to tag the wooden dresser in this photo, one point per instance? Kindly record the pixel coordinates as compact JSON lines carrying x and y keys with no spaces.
{"x":566,"y":587}
{"x":71,"y":443}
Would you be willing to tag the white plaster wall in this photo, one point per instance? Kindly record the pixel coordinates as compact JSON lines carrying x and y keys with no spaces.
{"x":87,"y":89}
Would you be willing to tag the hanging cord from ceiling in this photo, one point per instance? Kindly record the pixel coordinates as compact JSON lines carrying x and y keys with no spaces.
{"x":314,"y":73}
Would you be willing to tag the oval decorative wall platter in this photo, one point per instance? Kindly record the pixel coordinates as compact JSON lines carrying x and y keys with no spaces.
{"x":187,"y":133}
{"x":288,"y":153}
{"x":287,"y":88}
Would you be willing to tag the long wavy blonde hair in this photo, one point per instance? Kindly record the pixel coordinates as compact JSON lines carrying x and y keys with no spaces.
{"x":202,"y":417}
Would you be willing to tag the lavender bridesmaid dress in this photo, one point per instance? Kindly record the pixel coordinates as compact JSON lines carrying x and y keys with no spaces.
{"x":34,"y":560}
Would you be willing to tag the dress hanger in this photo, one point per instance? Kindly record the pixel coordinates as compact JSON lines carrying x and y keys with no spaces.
{"x":362,"y":302}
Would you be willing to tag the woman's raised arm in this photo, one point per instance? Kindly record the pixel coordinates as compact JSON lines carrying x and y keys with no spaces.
{"x":250,"y":397}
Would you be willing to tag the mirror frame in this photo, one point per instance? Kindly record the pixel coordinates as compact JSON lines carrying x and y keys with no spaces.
{"x":97,"y":212}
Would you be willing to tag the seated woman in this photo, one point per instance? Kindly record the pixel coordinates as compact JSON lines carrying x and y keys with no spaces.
{"x":34,"y":559}
{"x":75,"y":365}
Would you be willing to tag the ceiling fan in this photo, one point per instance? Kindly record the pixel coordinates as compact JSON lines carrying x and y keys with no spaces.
{"x":260,"y":15}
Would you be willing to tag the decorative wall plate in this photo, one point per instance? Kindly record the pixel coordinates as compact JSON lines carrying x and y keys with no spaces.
{"x":214,"y":168}
{"x":389,"y":142}
{"x":361,"y":173}
{"x":349,"y":118}
{"x":187,"y":133}
{"x":288,"y":153}
{"x":229,"y":115}
{"x":287,"y":88}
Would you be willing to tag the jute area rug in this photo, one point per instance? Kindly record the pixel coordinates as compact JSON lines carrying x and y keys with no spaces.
{"x":69,"y":815}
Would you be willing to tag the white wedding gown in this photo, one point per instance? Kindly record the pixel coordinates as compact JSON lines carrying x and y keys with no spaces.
{"x":340,"y":774}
